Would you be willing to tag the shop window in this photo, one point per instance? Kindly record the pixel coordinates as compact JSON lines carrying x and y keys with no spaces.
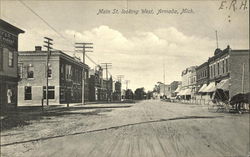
{"x":11,"y":59}
{"x":28,"y":93}
{"x":30,"y":71}
{"x":51,"y":92}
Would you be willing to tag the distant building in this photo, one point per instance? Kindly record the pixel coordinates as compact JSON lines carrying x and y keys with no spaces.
{"x":188,"y":83}
{"x":173,"y":86}
{"x":117,"y":91}
{"x":8,"y":64}
{"x":97,"y":86}
{"x":65,"y":74}
{"x":165,"y":89}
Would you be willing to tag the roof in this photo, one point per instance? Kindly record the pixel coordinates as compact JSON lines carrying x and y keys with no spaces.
{"x":53,"y":53}
{"x":9,"y":27}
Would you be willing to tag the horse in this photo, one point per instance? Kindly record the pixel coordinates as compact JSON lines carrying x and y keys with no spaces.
{"x":239,"y":100}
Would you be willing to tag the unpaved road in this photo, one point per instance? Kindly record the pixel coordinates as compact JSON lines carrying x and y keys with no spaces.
{"x":148,"y":128}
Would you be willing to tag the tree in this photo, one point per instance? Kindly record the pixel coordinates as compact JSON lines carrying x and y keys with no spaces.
{"x":129,"y":94}
{"x":140,"y":94}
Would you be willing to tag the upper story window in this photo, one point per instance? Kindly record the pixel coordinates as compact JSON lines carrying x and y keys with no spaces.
{"x":30,"y":71}
{"x":68,"y":72}
{"x":218,"y":68}
{"x":227,"y":69}
{"x":11,"y":59}
{"x":49,"y":71}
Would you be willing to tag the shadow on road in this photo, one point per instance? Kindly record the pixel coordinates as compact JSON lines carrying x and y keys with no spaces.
{"x":25,"y":114}
{"x":114,"y":127}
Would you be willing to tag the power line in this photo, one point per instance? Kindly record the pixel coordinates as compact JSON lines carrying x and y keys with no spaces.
{"x":41,"y":18}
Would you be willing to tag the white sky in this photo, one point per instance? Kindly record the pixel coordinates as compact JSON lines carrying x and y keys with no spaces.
{"x":136,"y":45}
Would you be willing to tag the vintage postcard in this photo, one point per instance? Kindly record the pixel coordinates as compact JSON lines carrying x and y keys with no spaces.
{"x":124,"y":78}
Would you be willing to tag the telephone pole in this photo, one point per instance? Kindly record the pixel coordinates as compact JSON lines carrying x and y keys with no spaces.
{"x":120,"y":77}
{"x":106,"y":66}
{"x":127,"y":82}
{"x":48,"y":46}
{"x":82,"y":47}
{"x":217,"y":44}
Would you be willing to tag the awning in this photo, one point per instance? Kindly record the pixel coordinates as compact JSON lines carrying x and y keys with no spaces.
{"x":224,"y":85}
{"x":178,"y":89}
{"x":181,"y":92}
{"x":202,"y":88}
{"x":210,"y":88}
{"x":187,"y":91}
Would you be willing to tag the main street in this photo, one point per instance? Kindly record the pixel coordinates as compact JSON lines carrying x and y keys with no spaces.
{"x":146,"y":128}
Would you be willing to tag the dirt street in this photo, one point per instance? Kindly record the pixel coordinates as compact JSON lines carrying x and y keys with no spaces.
{"x":149,"y":128}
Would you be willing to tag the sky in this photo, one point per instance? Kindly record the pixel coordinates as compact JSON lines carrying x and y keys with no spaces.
{"x":137,"y":45}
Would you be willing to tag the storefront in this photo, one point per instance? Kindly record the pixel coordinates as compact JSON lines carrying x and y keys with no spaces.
{"x":8,"y":64}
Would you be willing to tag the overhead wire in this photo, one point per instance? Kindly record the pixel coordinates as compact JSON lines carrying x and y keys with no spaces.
{"x":51,"y":27}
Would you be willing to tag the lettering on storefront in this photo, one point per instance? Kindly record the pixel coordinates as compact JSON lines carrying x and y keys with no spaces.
{"x":8,"y":39}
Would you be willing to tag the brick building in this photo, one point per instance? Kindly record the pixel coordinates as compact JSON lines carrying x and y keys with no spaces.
{"x":64,"y":75}
{"x":96,"y":85}
{"x":229,"y":70}
{"x":8,"y":64}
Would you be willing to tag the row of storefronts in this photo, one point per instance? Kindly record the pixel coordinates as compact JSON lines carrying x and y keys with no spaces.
{"x":227,"y":71}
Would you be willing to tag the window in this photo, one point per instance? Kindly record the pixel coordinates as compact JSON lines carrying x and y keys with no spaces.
{"x":30,"y":71}
{"x":214,"y":70}
{"x":226,"y":65}
{"x":11,"y":59}
{"x":68,"y":72}
{"x":218,"y":68}
{"x":223,"y":66}
{"x":49,"y":71}
{"x":20,"y":70}
{"x":51,"y":92}
{"x":27,"y":93}
{"x":211,"y":72}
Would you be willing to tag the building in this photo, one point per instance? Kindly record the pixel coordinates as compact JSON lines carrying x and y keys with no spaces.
{"x":65,"y":78}
{"x":188,"y":88}
{"x":96,"y":90}
{"x":165,"y":90}
{"x":8,"y":64}
{"x":108,"y":86}
{"x":202,"y":81}
{"x":173,"y":86}
{"x":229,"y":71}
{"x":117,"y":91}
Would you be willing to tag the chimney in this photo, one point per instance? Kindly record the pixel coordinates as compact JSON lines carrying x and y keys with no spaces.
{"x":38,"y":48}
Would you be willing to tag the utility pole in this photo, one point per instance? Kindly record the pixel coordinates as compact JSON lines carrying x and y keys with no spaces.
{"x":127,"y":82}
{"x":243,"y":75}
{"x":82,"y":48}
{"x":164,"y":90}
{"x":217,"y":44}
{"x":120,"y":77}
{"x":106,"y":66}
{"x":48,"y":46}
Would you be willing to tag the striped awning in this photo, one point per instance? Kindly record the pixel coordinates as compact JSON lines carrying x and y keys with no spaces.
{"x":224,"y":85}
{"x":210,"y":88}
{"x":202,"y":88}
